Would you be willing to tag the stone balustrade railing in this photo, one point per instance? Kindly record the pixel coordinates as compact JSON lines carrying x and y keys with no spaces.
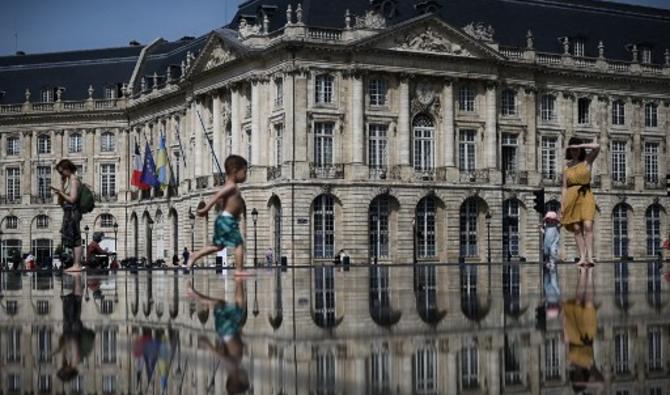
{"x":63,"y":106}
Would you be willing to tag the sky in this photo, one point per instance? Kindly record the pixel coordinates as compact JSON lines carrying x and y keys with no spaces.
{"x":37,"y":26}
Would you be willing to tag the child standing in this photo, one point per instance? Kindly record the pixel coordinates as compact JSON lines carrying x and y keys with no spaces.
{"x":226,"y":227}
{"x":552,"y":238}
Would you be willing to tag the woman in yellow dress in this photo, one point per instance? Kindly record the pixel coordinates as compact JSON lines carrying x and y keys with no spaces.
{"x":578,"y":206}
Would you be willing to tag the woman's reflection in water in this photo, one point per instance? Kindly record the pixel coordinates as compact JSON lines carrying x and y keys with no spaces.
{"x":579,"y":329}
{"x":77,"y":341}
{"x":228,"y":321}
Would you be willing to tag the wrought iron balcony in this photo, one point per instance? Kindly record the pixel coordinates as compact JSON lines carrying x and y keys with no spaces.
{"x":516,"y":177}
{"x":41,"y":199}
{"x":626,"y":183}
{"x":596,"y":181}
{"x":10,"y":199}
{"x":378,"y":173}
{"x":106,"y":198}
{"x":424,"y":175}
{"x":202,"y":182}
{"x":273,"y":173}
{"x":653,"y":183}
{"x":474,"y":176}
{"x":328,"y":171}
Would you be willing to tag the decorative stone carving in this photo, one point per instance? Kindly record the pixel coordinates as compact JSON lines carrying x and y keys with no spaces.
{"x":530,"y":40}
{"x":27,"y":95}
{"x":218,"y":57}
{"x":225,"y":114}
{"x":480,"y":31}
{"x":430,"y":41}
{"x":385,"y":190}
{"x":245,"y":30}
{"x":425,"y":99}
{"x":372,"y":20}
{"x":425,"y":93}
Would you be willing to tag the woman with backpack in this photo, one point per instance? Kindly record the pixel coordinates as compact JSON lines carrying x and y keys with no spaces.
{"x":68,"y":198}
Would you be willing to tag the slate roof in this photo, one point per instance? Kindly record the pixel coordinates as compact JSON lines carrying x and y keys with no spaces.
{"x":618,"y":25}
{"x":74,"y":71}
{"x":166,"y":54}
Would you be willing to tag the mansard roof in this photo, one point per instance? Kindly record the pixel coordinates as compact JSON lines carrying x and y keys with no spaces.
{"x":617,"y":25}
{"x":75,"y":71}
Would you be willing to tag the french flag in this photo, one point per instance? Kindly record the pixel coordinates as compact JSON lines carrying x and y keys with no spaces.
{"x":136,"y":179}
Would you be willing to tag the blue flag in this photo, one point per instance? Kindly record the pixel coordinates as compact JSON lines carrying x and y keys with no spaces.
{"x":149,"y":176}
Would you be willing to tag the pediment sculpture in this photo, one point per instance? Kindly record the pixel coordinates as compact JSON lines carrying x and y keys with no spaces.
{"x":372,"y":20}
{"x":430,"y":41}
{"x":218,"y":56}
{"x":245,"y":30}
{"x":480,"y":31}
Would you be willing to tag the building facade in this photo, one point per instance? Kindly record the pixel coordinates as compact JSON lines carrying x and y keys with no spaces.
{"x":392,"y":129}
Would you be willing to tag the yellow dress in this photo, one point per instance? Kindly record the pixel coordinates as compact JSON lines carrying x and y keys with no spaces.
{"x":579,"y":205}
{"x":581,"y":326}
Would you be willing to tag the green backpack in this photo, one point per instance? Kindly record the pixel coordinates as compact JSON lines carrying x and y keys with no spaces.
{"x":86,"y":199}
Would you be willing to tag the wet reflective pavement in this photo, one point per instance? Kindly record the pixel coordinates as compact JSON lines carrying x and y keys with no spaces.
{"x":368,"y":330}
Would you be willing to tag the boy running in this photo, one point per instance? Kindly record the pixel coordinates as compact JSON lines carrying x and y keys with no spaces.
{"x":226,"y":227}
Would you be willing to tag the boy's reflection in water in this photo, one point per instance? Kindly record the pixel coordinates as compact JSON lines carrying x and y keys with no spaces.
{"x":579,"y":329}
{"x":228,"y":321}
{"x":77,"y":341}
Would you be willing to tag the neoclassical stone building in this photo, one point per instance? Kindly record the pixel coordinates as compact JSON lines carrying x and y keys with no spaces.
{"x":362,"y":120}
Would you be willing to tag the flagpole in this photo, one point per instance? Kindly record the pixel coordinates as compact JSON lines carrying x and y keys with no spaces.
{"x":181,"y":148}
{"x":167,"y":154}
{"x":211,"y":147}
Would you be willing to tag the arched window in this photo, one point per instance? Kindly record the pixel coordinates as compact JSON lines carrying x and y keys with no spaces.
{"x":425,"y":228}
{"x":107,"y":142}
{"x":75,"y":143}
{"x":511,"y":228}
{"x":508,"y":102}
{"x":620,"y":230}
{"x":424,"y":143}
{"x":653,"y":220}
{"x":11,"y":222}
{"x":42,"y":222}
{"x":468,"y":228}
{"x":324,"y":227}
{"x":379,"y":227}
{"x":106,"y":220}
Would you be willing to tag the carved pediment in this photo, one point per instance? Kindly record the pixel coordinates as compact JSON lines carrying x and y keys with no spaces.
{"x":214,"y":54}
{"x":218,"y":56}
{"x":433,"y":36}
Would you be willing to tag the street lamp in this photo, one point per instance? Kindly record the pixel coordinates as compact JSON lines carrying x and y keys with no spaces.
{"x":116,"y":232}
{"x":150,"y":224}
{"x":86,"y":229}
{"x":254,"y":218}
{"x":191,"y":219}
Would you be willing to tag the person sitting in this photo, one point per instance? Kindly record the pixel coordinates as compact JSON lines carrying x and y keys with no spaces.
{"x":96,"y":256}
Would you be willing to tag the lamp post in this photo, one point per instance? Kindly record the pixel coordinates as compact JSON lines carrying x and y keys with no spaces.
{"x":150,"y":249}
{"x":254,"y":218}
{"x":116,"y":232}
{"x":86,"y":229}
{"x":191,"y":219}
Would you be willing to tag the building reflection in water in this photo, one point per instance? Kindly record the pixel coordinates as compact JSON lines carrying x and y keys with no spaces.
{"x":380,"y":329}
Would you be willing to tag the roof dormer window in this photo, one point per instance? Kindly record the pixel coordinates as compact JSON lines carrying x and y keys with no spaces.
{"x":646,"y":55}
{"x":578,"y":47}
{"x":48,"y":95}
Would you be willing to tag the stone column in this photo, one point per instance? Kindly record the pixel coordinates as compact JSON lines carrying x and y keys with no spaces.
{"x":235,"y":117}
{"x":637,"y":126}
{"x":91,"y":143}
{"x":58,"y":144}
{"x":452,"y":372}
{"x":357,"y":120}
{"x":532,"y":141}
{"x":217,"y":129}
{"x":29,"y":151}
{"x":256,"y":92}
{"x":124,"y":153}
{"x":200,"y":152}
{"x":448,"y":119}
{"x":403,"y":123}
{"x":301,"y":125}
{"x":494,"y":371}
{"x":491,"y":127}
